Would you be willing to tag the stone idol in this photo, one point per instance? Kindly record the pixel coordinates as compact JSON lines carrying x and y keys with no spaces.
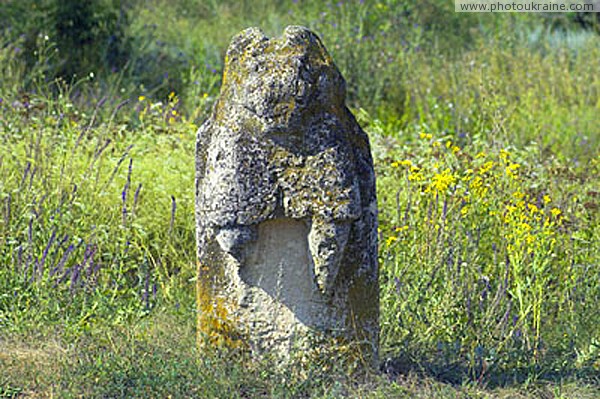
{"x":286,"y":208}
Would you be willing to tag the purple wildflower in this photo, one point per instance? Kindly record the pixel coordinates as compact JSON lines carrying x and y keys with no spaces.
{"x":19,"y":257}
{"x":32,"y":175}
{"x":63,"y":241}
{"x":27,"y":168}
{"x":45,"y":252}
{"x":30,"y":233}
{"x":101,"y":150}
{"x":116,"y":168}
{"x":75,"y":277}
{"x":91,"y":251}
{"x":136,"y":196}
{"x":173,"y":209}
{"x":146,"y":293}
{"x":126,"y":190}
{"x":60,"y":266}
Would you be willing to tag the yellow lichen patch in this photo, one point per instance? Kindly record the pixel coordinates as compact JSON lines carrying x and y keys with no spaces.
{"x":225,"y":70}
{"x":285,"y":109}
{"x":216,"y":326}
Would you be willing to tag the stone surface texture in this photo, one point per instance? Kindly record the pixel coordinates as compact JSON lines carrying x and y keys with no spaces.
{"x":286,"y":208}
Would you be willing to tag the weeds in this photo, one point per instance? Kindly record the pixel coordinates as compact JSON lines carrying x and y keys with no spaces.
{"x":486,"y":145}
{"x":471,"y":258}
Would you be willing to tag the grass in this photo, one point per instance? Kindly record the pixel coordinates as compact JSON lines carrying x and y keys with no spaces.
{"x":486,"y":151}
{"x":156,"y":357}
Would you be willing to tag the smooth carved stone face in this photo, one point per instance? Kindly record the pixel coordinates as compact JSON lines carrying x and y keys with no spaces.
{"x":285,"y":197}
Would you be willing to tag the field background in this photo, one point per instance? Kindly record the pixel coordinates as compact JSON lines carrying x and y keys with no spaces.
{"x":485,"y":134}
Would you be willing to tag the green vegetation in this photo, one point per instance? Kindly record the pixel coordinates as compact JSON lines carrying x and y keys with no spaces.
{"x":487,"y":153}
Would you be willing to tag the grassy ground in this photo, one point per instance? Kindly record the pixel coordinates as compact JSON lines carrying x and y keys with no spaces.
{"x":156,"y":357}
{"x":486,"y":148}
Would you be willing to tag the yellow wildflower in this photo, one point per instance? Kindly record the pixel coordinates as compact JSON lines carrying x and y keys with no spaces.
{"x":141,"y":98}
{"x":415,"y":177}
{"x":486,"y":167}
{"x":555,"y":212}
{"x":406,"y":162}
{"x":390,"y":240}
{"x":511,"y":170}
{"x":426,"y":136}
{"x":518,"y":195}
{"x":477,"y":183}
{"x":547,"y":199}
{"x":441,"y":181}
{"x":524,"y":226}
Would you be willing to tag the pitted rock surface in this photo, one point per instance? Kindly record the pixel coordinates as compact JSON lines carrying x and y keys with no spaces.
{"x":285,"y":198}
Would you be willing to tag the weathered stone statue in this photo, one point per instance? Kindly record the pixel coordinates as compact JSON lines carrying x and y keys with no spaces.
{"x":285,"y":200}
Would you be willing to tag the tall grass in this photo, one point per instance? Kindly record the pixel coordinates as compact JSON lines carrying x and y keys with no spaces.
{"x":80,"y":224}
{"x":487,"y":158}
